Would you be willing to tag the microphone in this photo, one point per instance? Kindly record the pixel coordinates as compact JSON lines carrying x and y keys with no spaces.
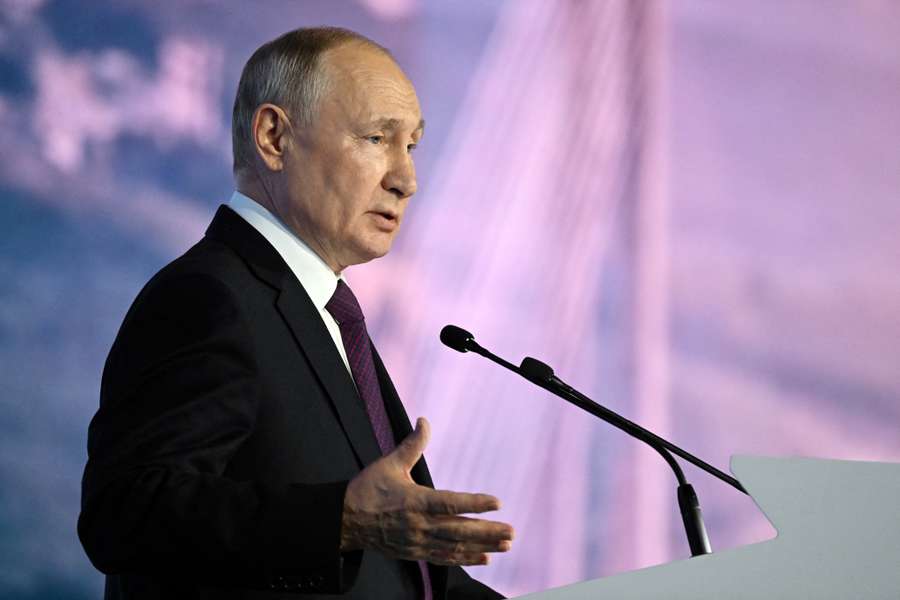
{"x":457,"y":338}
{"x":538,"y":372}
{"x":543,"y":376}
{"x":462,"y":341}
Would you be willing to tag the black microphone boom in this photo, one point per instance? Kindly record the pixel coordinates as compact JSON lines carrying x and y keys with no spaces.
{"x":542,"y":375}
{"x":689,"y":505}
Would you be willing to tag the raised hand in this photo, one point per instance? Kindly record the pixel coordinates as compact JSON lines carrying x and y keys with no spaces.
{"x":385,"y":510}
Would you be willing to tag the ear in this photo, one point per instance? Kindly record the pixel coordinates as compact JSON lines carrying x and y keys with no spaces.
{"x":270,"y":130}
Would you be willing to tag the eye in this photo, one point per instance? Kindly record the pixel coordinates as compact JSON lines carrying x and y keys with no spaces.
{"x":375,"y":139}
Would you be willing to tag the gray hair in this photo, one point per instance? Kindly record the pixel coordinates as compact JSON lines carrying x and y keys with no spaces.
{"x":285,"y":72}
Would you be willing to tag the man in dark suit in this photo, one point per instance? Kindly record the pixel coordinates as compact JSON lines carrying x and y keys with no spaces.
{"x":249,"y":442}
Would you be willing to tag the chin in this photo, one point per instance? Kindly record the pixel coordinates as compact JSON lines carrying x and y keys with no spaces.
{"x":376,"y":246}
{"x":369,"y":253}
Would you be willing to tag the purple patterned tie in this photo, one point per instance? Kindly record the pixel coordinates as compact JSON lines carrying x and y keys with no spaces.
{"x":346,"y":311}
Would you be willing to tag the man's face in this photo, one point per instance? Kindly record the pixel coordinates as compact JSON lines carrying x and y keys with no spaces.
{"x":348,"y":177}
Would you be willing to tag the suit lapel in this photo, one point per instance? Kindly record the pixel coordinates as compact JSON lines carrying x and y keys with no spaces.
{"x":306,"y":326}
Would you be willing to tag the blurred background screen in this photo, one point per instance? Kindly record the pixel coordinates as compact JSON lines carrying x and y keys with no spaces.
{"x":689,"y":208}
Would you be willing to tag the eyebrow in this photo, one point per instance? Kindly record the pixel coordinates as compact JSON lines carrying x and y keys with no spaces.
{"x":395,"y":124}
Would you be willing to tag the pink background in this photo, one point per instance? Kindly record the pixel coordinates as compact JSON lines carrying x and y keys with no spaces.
{"x":689,"y":208}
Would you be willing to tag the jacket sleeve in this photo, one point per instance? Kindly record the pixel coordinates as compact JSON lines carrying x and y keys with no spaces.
{"x":179,"y":396}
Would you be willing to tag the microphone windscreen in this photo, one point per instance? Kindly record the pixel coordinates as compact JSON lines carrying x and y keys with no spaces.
{"x":456,"y":338}
{"x":535,"y":370}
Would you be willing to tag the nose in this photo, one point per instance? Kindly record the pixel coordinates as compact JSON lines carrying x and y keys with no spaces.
{"x":400,"y":178}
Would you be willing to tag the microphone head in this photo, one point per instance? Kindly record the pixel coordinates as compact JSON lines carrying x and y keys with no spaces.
{"x":535,"y":370}
{"x":456,"y":338}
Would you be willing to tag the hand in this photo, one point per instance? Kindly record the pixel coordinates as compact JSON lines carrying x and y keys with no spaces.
{"x":385,"y":510}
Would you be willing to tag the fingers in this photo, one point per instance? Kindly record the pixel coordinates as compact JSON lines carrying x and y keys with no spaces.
{"x":390,"y":513}
{"x":450,"y":547}
{"x":443,"y":502}
{"x":463,"y":529}
{"x":446,"y":552}
{"x":410,"y":450}
{"x":461,"y":541}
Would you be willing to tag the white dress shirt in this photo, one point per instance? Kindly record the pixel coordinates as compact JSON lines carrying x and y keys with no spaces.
{"x":314,"y":275}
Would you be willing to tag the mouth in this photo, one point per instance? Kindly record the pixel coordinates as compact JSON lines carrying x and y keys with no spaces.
{"x":386,"y":219}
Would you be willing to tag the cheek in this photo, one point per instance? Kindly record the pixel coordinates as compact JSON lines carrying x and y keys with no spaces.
{"x":360,"y":182}
{"x":353,"y":179}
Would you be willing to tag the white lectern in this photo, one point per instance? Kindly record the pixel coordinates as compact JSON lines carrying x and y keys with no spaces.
{"x":838,"y":525}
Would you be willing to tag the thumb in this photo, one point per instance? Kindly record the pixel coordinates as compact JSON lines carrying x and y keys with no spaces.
{"x":411,"y":448}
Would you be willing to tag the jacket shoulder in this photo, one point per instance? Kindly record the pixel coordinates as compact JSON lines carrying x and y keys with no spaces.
{"x":192,"y":295}
{"x":206,"y":261}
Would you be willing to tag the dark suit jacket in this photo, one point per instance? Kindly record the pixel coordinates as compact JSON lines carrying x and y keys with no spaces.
{"x":227,"y":431}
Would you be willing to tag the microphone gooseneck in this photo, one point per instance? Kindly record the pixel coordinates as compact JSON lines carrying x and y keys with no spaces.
{"x":688,"y":503}
{"x":543,"y":376}
{"x":532,"y":367}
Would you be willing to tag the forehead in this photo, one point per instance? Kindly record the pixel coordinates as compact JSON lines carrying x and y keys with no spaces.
{"x":365,"y":83}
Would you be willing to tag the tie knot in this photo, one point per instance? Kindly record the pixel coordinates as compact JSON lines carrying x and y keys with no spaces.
{"x":343,"y":305}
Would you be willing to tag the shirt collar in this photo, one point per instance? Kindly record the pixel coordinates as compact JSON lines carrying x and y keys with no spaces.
{"x":314,"y":275}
